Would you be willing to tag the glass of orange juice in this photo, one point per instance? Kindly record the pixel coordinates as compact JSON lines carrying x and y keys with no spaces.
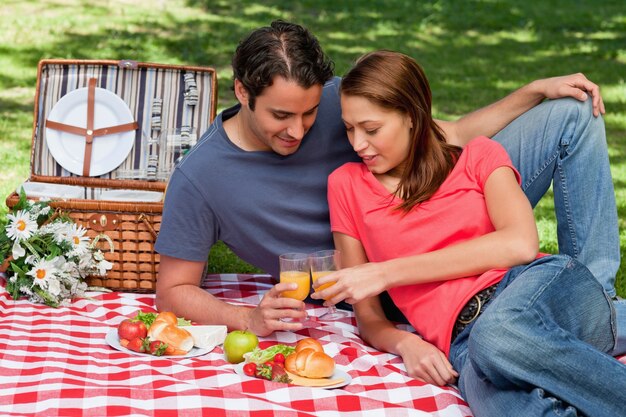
{"x":323,"y":263}
{"x":294,"y":267}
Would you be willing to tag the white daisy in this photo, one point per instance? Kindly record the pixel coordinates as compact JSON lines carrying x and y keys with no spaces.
{"x":60,"y":230}
{"x":43,"y":272}
{"x":78,"y":239}
{"x":21,"y":225}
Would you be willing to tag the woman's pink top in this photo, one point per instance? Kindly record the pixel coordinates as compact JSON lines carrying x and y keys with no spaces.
{"x":362,"y":208}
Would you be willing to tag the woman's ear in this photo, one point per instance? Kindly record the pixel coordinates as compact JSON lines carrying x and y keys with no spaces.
{"x":241,"y":93}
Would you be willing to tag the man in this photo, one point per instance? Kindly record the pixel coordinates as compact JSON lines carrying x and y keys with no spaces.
{"x":257,"y":178}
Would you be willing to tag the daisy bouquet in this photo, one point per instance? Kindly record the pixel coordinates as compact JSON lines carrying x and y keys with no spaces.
{"x":47,"y":255}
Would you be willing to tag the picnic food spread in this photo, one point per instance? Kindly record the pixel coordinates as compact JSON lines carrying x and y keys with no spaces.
{"x":165,"y":334}
{"x":306,"y":364}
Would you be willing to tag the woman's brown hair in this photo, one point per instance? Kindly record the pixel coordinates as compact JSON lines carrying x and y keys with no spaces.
{"x":395,"y":81}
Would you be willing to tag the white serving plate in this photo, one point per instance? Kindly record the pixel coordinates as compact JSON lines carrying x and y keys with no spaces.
{"x":107,"y":152}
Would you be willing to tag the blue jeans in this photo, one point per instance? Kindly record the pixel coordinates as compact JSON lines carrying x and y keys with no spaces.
{"x":560,"y":142}
{"x":541,"y":346}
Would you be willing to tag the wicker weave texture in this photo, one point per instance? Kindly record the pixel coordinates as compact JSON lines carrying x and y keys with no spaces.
{"x":135,"y":263}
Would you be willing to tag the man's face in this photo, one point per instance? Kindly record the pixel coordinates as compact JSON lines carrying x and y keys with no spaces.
{"x":283,"y":113}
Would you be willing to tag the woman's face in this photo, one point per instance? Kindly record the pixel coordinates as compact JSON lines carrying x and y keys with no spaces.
{"x":381,"y":137}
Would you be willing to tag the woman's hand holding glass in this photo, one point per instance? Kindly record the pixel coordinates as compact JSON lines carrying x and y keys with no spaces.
{"x":353,"y":284}
{"x":324,"y":263}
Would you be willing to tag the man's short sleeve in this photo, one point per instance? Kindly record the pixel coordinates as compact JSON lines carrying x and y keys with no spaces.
{"x":188,"y":228}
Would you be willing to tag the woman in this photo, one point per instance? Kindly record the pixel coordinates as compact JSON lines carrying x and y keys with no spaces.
{"x":525,"y":334}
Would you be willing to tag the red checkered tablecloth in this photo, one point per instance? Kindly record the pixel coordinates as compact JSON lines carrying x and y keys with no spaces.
{"x":56,"y":362}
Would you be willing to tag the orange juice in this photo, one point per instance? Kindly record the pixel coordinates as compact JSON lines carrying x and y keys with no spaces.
{"x":319,"y":274}
{"x":299,"y":277}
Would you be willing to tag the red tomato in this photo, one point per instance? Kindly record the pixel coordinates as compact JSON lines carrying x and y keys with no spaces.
{"x":131,"y":329}
{"x":279,"y":358}
{"x":137,"y":345}
{"x":250,"y":369}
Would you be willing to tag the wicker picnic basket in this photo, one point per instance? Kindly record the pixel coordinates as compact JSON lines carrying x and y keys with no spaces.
{"x":169,"y":106}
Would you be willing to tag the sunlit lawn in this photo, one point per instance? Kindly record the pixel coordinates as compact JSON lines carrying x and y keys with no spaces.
{"x":474,"y":52}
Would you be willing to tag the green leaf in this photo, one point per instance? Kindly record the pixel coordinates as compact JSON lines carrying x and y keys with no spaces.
{"x":16,"y":268}
{"x":146,"y":318}
{"x":22,"y":203}
{"x":14,"y":289}
{"x":47,"y":298}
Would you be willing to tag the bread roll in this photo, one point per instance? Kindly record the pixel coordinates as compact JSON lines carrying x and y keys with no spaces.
{"x":167,"y":316}
{"x":169,"y":333}
{"x":309,"y":343}
{"x":310,"y":363}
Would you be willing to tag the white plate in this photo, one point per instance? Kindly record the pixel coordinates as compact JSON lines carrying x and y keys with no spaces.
{"x":44,"y":189}
{"x":337,"y":374}
{"x":109,"y":151}
{"x":113,"y":340}
{"x":131,"y":195}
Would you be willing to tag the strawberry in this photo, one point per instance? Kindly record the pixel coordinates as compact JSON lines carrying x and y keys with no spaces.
{"x":264,"y":371}
{"x":279,"y":374}
{"x":272,"y":372}
{"x":157,"y":348}
{"x":138,"y":345}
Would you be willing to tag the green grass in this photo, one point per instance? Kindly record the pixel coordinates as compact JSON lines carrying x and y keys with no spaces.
{"x":474,"y":52}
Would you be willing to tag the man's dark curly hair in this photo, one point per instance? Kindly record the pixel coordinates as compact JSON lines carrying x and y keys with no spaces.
{"x":284,"y":49}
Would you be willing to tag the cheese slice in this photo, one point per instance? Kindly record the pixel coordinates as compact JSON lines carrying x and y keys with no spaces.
{"x":207,"y":337}
{"x":313,"y":382}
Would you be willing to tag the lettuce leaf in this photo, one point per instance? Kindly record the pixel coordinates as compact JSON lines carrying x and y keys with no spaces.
{"x":260,"y":356}
{"x":146,"y":318}
{"x":183,"y":322}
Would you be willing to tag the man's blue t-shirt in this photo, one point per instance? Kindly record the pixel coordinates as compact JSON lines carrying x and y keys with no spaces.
{"x":260,"y":204}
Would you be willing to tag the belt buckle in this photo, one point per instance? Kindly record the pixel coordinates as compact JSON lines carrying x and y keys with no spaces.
{"x":478,"y":308}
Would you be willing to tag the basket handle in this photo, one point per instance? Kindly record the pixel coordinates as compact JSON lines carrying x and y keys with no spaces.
{"x":144,"y":220}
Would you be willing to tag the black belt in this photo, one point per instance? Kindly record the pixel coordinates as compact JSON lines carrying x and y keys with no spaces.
{"x":474,"y":307}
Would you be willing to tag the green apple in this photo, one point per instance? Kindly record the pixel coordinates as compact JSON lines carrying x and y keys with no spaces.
{"x":237,"y":343}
